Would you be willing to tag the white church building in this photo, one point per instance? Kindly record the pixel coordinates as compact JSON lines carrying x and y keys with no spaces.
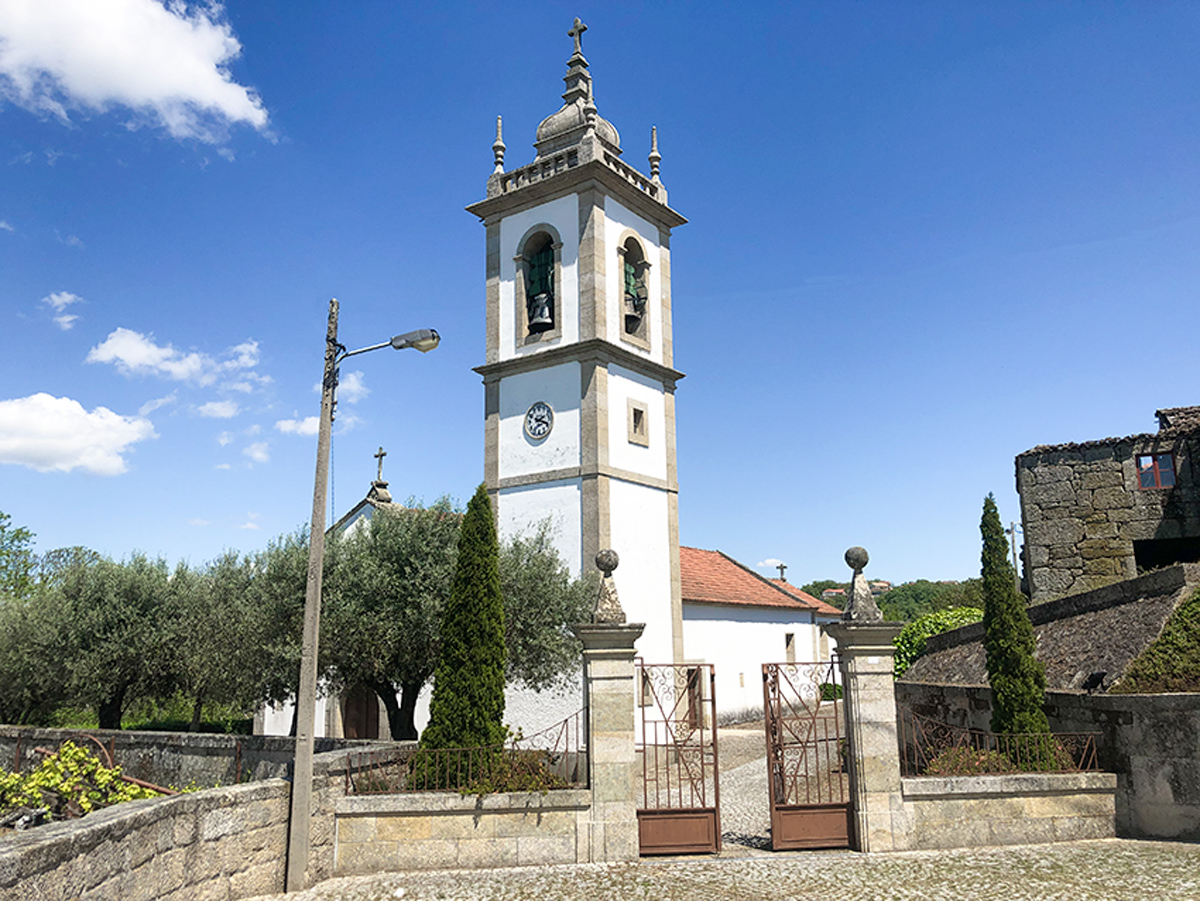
{"x":579,"y":388}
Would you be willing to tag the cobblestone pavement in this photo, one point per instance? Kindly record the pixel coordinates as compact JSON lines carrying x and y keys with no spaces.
{"x":1111,"y":870}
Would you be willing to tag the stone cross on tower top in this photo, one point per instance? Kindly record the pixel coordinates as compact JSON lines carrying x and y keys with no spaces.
{"x":576,"y":32}
{"x":379,"y":455}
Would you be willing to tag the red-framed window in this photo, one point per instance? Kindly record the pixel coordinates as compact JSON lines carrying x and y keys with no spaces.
{"x":1156,"y":470}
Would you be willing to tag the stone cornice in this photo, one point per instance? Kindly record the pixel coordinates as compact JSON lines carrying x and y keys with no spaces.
{"x":588,"y":472}
{"x":570,"y":181}
{"x":592,"y":350}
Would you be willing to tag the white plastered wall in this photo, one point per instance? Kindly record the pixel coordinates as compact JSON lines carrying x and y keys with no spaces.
{"x":523,"y":508}
{"x":649,"y":460}
{"x":518,"y":453}
{"x":738,"y":640}
{"x":639,"y":535}
{"x":563,"y":214}
{"x":617,"y":220}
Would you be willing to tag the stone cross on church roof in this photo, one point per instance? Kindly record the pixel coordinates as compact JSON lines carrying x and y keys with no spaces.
{"x":576,"y":32}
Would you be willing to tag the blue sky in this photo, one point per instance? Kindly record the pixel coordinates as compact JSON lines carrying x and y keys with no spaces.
{"x":923,"y":238}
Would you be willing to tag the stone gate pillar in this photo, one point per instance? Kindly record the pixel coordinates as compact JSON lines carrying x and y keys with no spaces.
{"x":866,"y":658}
{"x":608,"y":699}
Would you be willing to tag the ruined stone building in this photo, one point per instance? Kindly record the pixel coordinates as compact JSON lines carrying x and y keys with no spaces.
{"x":1099,"y":511}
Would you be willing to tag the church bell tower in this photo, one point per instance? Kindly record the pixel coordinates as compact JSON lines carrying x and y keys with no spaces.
{"x":578,"y":380}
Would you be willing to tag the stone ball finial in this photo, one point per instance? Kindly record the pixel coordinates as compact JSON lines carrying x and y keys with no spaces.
{"x":606,"y":561}
{"x":857,"y":558}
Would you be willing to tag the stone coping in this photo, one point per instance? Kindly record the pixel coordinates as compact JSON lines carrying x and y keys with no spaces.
{"x":90,"y":832}
{"x":915,"y":787}
{"x":435,"y":803}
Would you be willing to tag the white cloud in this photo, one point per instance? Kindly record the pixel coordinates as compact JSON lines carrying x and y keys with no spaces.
{"x":136,"y":354}
{"x":198,"y":522}
{"x":770,"y":561}
{"x":248,"y":525}
{"x":224,"y":438}
{"x":352,"y":388}
{"x":151,"y":405}
{"x":219,"y":409}
{"x":306,"y":426}
{"x":57,"y":434}
{"x":253,"y":430}
{"x":223,"y":466}
{"x":257,"y":452}
{"x":5,"y":225}
{"x":60,"y":300}
{"x":168,"y":63}
{"x":69,"y":240}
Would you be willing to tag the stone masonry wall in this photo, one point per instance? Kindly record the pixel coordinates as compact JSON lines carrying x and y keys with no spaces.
{"x":224,"y":844}
{"x":1082,"y":509}
{"x":1152,"y":743}
{"x":435,"y":830}
{"x":169,"y":758}
{"x":986,"y":811}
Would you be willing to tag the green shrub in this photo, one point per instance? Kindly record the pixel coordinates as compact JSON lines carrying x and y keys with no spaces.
{"x":71,"y":782}
{"x":910,"y":643}
{"x":964,"y":761}
{"x":1172,"y":662}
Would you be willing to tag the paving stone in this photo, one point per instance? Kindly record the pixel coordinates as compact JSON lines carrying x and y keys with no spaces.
{"x":1108,"y":870}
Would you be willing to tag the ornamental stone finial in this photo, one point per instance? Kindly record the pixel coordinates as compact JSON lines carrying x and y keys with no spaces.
{"x":655,"y":157}
{"x":608,"y":607}
{"x":861,"y":606}
{"x":498,"y":147}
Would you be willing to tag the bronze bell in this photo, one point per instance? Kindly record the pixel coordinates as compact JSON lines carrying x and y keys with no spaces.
{"x":635,"y":309}
{"x":541,"y":313}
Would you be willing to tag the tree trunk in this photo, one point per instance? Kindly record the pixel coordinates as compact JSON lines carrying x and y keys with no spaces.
{"x":197,"y":707}
{"x":387,"y":694}
{"x":109,"y":710}
{"x":408,"y":707}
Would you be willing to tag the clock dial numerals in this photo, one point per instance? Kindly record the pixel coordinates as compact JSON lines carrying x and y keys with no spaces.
{"x":539,"y":420}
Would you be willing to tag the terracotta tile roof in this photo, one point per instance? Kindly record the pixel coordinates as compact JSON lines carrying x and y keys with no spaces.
{"x":711,"y":577}
{"x":806,"y":598}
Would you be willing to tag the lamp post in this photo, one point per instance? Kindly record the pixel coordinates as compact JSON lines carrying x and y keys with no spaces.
{"x":423,"y":340}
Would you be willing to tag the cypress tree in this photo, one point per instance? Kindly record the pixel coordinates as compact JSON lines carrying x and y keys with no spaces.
{"x":1017,"y":678}
{"x":466,"y":709}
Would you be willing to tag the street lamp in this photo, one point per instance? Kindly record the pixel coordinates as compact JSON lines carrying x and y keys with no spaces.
{"x":423,"y":340}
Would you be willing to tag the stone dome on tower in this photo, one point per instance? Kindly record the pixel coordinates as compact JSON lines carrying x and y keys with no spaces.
{"x":578,"y":113}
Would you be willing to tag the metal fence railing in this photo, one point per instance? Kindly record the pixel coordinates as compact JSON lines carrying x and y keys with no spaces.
{"x":932,"y":748}
{"x":553,"y":758}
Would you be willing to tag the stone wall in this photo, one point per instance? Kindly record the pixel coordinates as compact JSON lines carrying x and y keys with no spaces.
{"x":435,"y":830}
{"x":1151,"y":742}
{"x":1082,"y":509}
{"x":225,"y":843}
{"x":169,"y":758}
{"x":985,"y":811}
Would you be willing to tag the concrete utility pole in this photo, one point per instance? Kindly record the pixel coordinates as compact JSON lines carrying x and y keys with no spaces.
{"x":300,"y":815}
{"x":306,"y":701}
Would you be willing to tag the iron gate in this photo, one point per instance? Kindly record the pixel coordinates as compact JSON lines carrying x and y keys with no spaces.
{"x":677,"y":747}
{"x":809,"y":787}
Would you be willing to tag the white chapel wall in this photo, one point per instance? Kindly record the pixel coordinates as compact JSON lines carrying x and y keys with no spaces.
{"x":739,"y":640}
{"x":563,"y":214}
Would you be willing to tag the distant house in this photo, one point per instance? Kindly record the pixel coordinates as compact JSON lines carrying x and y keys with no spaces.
{"x":1099,"y":511}
{"x":737,"y":620}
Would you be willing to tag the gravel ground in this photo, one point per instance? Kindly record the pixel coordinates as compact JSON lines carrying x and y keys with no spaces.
{"x":1112,"y":870}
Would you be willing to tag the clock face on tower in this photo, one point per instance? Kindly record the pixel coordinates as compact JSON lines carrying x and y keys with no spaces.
{"x":539,"y":420}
